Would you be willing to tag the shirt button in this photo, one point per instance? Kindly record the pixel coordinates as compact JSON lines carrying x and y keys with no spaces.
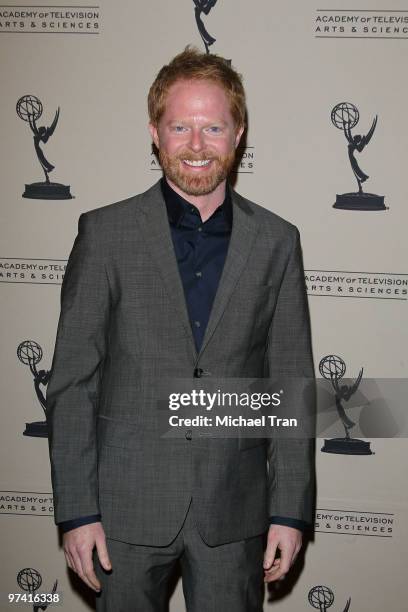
{"x":189,"y":434}
{"x":197,"y":323}
{"x":200,"y":229}
{"x":198,"y":274}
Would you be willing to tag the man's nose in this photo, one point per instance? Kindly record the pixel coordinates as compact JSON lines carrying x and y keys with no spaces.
{"x":196,"y":140}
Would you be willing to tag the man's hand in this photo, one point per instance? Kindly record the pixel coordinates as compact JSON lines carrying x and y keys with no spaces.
{"x":289,"y":541}
{"x":78,"y":545}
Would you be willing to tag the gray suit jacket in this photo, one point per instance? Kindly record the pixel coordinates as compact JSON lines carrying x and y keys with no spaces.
{"x":124,"y":325}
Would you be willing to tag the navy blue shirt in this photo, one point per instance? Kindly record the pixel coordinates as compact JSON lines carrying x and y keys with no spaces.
{"x":201,"y":249}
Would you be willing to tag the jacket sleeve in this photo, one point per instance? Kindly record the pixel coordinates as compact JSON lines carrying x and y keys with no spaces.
{"x":73,"y":388}
{"x":291,"y":474}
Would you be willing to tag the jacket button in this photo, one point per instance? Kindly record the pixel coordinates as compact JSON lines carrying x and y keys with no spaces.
{"x":189,"y":434}
{"x":198,"y":372}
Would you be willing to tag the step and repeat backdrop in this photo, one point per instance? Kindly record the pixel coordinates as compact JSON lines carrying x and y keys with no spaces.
{"x":326,"y":148}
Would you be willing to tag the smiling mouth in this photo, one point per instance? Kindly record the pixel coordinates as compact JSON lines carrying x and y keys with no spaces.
{"x":201,"y":163}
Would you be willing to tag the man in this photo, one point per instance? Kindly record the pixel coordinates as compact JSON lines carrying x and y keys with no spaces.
{"x":188,"y":279}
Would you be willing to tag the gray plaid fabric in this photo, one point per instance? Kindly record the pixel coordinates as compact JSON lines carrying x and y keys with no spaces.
{"x":225,"y":578}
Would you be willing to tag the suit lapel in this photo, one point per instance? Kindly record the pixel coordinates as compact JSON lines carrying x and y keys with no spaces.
{"x":244,"y":230}
{"x":155,"y":228}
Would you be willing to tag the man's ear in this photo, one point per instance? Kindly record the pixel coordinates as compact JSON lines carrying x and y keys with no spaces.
{"x":238,"y":135}
{"x":154,"y":134}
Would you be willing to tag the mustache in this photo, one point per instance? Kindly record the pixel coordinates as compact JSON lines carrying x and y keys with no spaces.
{"x":204,"y":155}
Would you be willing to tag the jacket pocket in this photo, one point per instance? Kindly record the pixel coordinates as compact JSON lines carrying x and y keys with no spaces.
{"x":117,"y":433}
{"x":247,"y":443}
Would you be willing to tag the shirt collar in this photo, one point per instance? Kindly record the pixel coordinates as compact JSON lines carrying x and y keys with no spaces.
{"x":177,"y":206}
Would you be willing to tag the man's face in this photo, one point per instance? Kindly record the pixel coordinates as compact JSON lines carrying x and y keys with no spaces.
{"x":196,"y":136}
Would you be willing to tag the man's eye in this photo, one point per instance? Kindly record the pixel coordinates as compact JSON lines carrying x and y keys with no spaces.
{"x":179,"y":128}
{"x":214,"y":129}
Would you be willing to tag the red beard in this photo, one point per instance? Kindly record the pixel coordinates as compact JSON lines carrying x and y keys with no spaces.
{"x":192,"y":182}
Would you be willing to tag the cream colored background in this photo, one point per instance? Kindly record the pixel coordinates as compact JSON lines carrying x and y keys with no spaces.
{"x":102,"y":149}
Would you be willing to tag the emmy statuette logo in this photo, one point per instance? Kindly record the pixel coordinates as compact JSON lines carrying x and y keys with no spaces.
{"x":30,"y":580}
{"x":204,"y":6}
{"x":30,"y":353}
{"x":321,"y":598}
{"x":29,"y":108}
{"x":333,"y":368}
{"x":345,"y":117}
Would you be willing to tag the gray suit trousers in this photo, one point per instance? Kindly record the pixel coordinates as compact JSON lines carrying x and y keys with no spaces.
{"x":224,"y":578}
